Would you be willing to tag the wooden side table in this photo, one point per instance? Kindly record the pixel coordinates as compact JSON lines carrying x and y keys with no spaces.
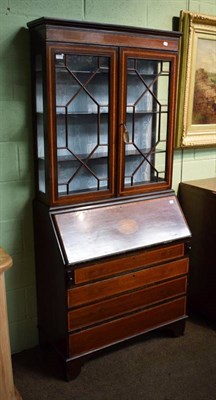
{"x":198,"y":201}
{"x":7,"y":388}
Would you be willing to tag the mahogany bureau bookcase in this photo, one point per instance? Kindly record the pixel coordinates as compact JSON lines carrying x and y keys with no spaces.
{"x":110,"y":236}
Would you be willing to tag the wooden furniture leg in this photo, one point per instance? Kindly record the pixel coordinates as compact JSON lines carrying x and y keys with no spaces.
{"x":7,"y":388}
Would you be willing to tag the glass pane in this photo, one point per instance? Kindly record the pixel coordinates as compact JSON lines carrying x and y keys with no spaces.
{"x":163,"y":89}
{"x":136,"y":125}
{"x":81,"y":63}
{"x":137,"y":168}
{"x":160,"y":163}
{"x":61,"y":127}
{"x":40,"y":124}
{"x":163,"y":130}
{"x":75,"y":177}
{"x":82,"y":108}
{"x":98,"y":87}
{"x":104,"y":62}
{"x":82,"y":104}
{"x":146,"y":121}
{"x":146,"y":67}
{"x":99,"y":167}
{"x":66,"y":87}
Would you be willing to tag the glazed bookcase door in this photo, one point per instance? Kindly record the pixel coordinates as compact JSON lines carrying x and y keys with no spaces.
{"x":146,"y":121}
{"x":84,"y":123}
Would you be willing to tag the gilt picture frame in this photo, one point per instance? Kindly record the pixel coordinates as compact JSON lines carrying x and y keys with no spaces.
{"x":196,"y":99}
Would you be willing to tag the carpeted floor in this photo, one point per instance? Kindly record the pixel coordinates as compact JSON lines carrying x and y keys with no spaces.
{"x":157,"y":368}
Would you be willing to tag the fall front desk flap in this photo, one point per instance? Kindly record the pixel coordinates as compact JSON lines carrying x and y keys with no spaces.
{"x":101,"y":231}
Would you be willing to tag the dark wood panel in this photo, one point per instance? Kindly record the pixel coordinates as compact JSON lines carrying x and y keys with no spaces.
{"x":129,"y":262}
{"x":127,"y":327}
{"x":85,"y":32}
{"x":111,"y":308}
{"x":208,"y":185}
{"x":198,"y":199}
{"x":107,"y":38}
{"x":99,"y":26}
{"x":110,"y":230}
{"x":110,"y":287}
{"x":51,"y":287}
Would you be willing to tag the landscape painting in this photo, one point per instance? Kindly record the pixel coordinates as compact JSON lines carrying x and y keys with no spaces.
{"x":204,"y":99}
{"x":196,"y":95}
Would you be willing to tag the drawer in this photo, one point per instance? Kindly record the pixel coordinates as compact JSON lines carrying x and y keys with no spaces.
{"x":127,"y":327}
{"x":110,"y":287}
{"x":95,"y":313}
{"x":140,"y":259}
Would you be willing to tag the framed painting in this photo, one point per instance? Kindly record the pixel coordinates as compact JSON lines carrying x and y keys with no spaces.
{"x":196,"y":103}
